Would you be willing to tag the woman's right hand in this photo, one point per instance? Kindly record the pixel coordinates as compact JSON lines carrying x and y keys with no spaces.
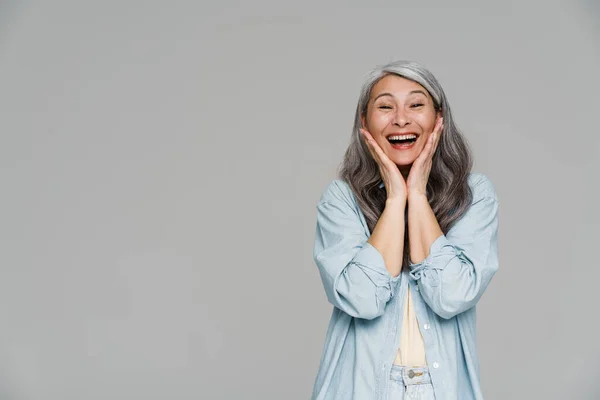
{"x":394,"y":182}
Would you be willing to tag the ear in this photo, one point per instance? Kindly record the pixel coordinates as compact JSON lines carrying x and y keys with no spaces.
{"x":363,"y":122}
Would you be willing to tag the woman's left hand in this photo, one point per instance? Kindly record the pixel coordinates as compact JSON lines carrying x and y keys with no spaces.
{"x":419,"y":172}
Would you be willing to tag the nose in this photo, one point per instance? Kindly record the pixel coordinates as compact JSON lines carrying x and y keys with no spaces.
{"x":400,"y":118}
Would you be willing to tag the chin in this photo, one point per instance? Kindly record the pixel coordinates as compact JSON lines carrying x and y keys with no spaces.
{"x":403,"y":160}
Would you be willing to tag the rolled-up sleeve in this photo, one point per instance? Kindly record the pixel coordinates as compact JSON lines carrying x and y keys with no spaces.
{"x":461,"y":264}
{"x":353,"y":272}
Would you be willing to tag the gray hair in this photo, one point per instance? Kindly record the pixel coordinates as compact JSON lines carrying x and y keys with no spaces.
{"x":447,"y":189}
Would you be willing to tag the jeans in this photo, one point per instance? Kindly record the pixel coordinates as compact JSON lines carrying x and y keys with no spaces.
{"x":410,"y":384}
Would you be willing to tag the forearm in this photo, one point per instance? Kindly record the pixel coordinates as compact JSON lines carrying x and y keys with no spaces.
{"x":453,"y":269}
{"x":423,"y":227}
{"x":388,"y":235}
{"x":354,"y":273}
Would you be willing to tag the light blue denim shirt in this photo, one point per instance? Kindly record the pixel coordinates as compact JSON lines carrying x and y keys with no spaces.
{"x":363,"y":334}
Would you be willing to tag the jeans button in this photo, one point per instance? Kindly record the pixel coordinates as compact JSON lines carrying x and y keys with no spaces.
{"x":411,"y":374}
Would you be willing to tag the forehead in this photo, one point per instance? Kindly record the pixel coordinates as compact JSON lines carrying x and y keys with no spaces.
{"x":397,"y":86}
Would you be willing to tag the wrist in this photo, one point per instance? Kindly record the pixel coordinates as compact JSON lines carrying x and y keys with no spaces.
{"x":415,"y":196}
{"x":396,"y":202}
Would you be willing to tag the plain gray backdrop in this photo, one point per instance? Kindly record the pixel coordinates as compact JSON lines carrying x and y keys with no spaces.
{"x":160,"y":164}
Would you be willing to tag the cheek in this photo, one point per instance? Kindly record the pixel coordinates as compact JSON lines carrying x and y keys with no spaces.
{"x":428,"y":123}
{"x":378,"y":122}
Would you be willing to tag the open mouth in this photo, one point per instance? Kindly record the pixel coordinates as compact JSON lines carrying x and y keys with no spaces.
{"x":402,"y":140}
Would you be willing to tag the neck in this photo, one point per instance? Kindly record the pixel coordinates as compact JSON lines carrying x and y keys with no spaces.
{"x":404,"y":170}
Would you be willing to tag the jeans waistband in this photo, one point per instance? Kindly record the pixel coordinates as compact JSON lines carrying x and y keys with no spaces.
{"x":410,"y":375}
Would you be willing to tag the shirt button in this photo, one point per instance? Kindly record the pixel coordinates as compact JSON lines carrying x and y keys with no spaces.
{"x":436,"y":365}
{"x":426,"y":326}
{"x":417,"y":288}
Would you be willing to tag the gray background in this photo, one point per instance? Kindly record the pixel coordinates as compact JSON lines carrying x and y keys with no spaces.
{"x":161,"y":163}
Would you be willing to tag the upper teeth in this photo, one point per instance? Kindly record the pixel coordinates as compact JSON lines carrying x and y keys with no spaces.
{"x":402,"y":137}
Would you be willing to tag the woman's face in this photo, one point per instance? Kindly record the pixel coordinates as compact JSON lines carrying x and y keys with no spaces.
{"x":400,"y":117}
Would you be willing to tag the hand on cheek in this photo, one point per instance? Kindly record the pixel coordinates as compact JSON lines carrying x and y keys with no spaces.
{"x":419,"y":172}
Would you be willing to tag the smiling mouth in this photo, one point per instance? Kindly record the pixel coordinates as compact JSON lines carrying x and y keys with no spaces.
{"x":404,"y":140}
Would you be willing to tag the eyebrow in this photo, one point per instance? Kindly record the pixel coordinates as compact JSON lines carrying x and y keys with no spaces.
{"x":389,"y":94}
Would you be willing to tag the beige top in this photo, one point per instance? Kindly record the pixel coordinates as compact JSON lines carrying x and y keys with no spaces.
{"x":411,"y":350}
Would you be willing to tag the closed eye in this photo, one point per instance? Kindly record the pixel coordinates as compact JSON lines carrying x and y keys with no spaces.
{"x":417,"y":105}
{"x":385,"y":107}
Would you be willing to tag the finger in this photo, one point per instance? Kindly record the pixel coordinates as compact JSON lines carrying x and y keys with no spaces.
{"x":440,"y":127}
{"x":439,"y":124}
{"x":384,"y":160}
{"x":366,"y":135}
{"x":375,"y":152}
{"x":369,"y":142}
{"x":375,"y":147}
{"x":430,"y":146}
{"x":427,"y":150}
{"x":437,"y":138}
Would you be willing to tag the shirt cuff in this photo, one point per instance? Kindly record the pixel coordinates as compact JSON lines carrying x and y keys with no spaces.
{"x":369,"y":257}
{"x":441,"y":247}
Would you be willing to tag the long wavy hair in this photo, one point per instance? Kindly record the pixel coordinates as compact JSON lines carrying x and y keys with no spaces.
{"x":448,"y":191}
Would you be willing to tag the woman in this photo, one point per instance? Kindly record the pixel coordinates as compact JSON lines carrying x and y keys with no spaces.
{"x":406,"y":244}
